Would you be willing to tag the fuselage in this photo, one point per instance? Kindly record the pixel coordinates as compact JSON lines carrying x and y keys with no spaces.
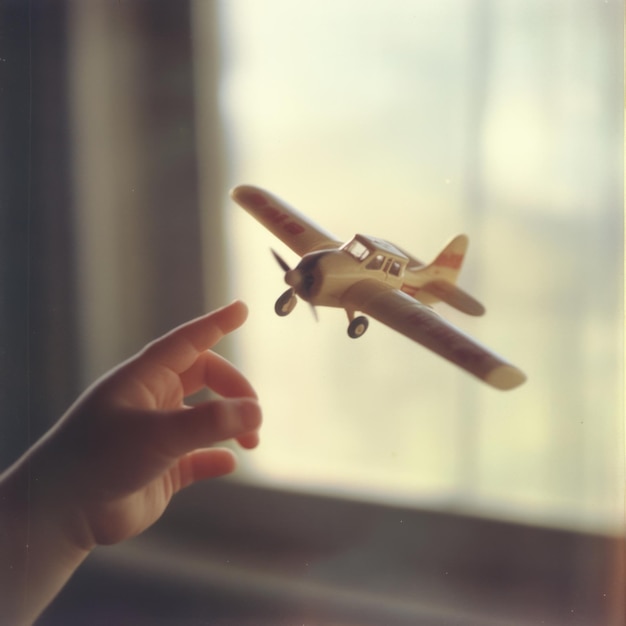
{"x":324,"y":276}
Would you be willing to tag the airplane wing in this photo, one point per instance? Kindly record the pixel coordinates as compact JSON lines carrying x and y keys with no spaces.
{"x":293,"y":228}
{"x":420,"y":323}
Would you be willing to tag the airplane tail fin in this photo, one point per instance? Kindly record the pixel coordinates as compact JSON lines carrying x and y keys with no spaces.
{"x":441,"y":277}
{"x":449,"y":261}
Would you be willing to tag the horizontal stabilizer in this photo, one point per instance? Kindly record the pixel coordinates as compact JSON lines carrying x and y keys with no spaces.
{"x":454,"y":296}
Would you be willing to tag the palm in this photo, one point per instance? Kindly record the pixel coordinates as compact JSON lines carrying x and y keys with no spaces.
{"x":140,"y":444}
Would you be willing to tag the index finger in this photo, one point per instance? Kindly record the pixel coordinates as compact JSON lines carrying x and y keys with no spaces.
{"x":178,"y":349}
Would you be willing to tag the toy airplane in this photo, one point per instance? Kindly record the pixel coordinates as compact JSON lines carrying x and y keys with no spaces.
{"x":379,"y":279}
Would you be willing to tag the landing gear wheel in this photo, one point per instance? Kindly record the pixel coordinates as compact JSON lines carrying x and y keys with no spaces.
{"x":358,"y":326}
{"x":286,"y":303}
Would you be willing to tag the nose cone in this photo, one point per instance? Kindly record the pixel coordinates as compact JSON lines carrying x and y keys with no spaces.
{"x":293,"y":278}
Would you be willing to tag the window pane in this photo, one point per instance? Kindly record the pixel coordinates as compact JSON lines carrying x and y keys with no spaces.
{"x":414,"y":121}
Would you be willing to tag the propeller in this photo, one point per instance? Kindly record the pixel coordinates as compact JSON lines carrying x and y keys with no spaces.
{"x":299,"y":282}
{"x":281,"y":261}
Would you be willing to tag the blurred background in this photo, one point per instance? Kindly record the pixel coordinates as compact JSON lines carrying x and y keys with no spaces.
{"x":125,"y":122}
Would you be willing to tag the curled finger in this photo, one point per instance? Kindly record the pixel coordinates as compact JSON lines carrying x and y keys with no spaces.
{"x":188,"y":429}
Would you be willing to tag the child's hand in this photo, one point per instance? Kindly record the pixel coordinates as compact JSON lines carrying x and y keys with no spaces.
{"x":130,"y":443}
{"x":111,"y":465}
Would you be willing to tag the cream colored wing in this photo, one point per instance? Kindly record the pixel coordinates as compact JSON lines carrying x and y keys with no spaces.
{"x":293,"y":228}
{"x":420,"y":323}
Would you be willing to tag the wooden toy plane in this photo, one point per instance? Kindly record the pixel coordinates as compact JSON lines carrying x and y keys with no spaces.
{"x":375,"y":277}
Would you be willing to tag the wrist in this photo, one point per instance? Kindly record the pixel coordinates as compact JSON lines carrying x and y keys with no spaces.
{"x":37,"y":552}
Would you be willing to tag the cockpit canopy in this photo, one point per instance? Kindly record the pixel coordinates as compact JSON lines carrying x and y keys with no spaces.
{"x":377,"y":253}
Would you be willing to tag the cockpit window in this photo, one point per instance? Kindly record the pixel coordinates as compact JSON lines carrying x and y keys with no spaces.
{"x":395,"y":269}
{"x":358,"y":250}
{"x":376,"y":263}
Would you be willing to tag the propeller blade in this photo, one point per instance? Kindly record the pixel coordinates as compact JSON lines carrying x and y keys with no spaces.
{"x":281,"y":261}
{"x":314,"y":311}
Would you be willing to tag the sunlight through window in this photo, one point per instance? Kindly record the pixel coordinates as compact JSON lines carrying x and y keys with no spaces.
{"x":413,"y":122}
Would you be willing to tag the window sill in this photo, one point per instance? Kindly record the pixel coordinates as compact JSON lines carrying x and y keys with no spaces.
{"x":242,"y":555}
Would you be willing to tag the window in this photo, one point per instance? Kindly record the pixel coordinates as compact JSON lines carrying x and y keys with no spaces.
{"x":491,"y":118}
{"x":395,"y":269}
{"x":501,"y":120}
{"x":376,"y":263}
{"x":357,"y":249}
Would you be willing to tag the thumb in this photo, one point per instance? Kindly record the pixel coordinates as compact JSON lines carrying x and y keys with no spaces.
{"x":188,"y":429}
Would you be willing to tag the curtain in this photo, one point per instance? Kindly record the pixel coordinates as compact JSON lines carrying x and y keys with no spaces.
{"x":38,"y":343}
{"x":102,"y":223}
